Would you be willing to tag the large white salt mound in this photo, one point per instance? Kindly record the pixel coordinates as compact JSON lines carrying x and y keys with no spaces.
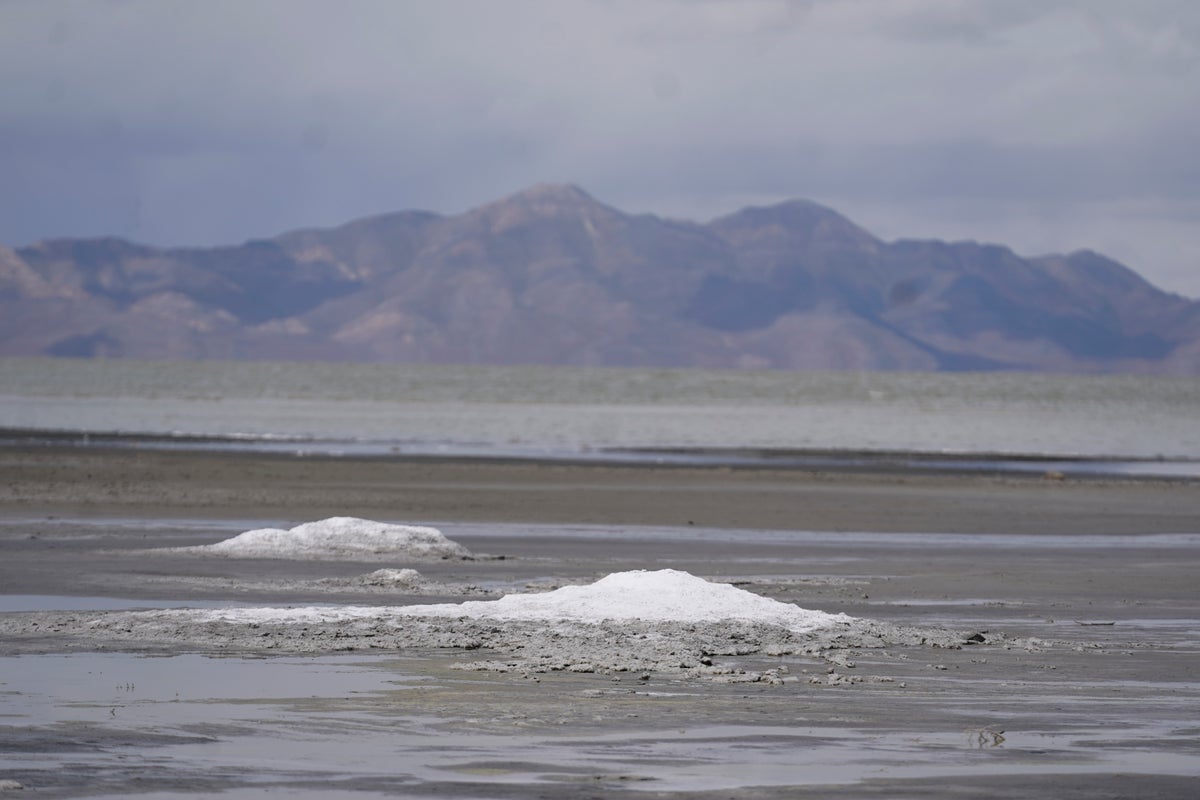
{"x":661,"y":596}
{"x":665,"y":595}
{"x":341,"y":537}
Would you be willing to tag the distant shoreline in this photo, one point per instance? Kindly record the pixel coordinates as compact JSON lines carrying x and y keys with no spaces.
{"x":64,"y":479}
{"x":857,"y":460}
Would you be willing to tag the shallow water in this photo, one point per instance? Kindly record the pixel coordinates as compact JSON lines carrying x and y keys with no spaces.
{"x":191,"y":723}
{"x":48,"y":602}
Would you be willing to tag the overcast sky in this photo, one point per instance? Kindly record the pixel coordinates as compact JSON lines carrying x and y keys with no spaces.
{"x":1046,"y":125}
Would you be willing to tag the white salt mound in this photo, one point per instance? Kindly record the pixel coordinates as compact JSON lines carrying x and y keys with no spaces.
{"x":403,"y":578}
{"x":665,"y":595}
{"x":660,"y":596}
{"x":341,"y":537}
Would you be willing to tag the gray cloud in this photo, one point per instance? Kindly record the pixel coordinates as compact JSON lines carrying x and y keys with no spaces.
{"x":1048,"y":125}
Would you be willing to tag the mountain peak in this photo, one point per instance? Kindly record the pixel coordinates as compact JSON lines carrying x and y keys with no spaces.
{"x":562,"y":192}
{"x":1092,"y":271}
{"x":791,"y":218}
{"x":541,"y":201}
{"x":548,"y":196}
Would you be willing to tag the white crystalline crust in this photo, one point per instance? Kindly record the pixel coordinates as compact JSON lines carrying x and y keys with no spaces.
{"x":340,"y":537}
{"x":660,"y":596}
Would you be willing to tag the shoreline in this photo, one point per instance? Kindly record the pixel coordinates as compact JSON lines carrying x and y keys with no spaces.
{"x":61,"y":479}
{"x":847,"y":460}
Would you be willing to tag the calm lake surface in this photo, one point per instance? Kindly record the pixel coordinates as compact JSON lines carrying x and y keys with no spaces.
{"x":564,"y":410}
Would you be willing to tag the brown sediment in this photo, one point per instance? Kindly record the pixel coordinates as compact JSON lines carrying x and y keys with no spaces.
{"x":119,"y":481}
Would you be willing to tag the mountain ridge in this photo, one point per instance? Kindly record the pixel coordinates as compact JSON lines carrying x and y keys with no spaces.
{"x":551,"y":275}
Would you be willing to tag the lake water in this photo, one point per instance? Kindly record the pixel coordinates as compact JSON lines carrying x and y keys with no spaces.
{"x":592,"y":412}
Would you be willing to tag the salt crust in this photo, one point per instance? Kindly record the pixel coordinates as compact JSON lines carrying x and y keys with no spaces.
{"x":664,"y":621}
{"x":665,"y":595}
{"x":339,"y":537}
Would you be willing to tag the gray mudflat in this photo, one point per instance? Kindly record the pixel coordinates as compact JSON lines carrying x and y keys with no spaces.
{"x":1053,"y":664}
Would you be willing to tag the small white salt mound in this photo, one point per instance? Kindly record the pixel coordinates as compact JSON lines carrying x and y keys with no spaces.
{"x":394,"y":577}
{"x":341,"y":537}
{"x":665,"y":595}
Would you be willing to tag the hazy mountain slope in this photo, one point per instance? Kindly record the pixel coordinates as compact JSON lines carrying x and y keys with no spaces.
{"x":550,"y":275}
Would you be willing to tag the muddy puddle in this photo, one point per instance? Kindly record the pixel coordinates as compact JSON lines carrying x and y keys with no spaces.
{"x":92,"y":724}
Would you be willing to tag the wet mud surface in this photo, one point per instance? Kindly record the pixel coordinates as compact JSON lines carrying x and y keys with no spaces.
{"x":1007,"y":663}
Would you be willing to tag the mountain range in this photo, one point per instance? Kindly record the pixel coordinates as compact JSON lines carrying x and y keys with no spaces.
{"x":550,"y":275}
